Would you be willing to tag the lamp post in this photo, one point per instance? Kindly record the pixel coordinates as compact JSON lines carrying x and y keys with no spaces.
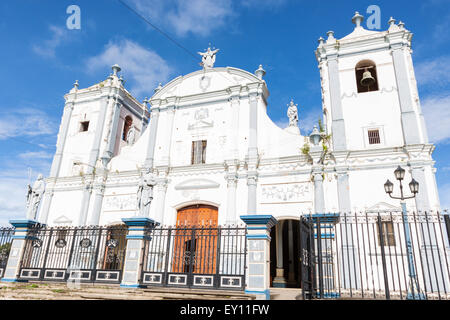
{"x":414,"y":292}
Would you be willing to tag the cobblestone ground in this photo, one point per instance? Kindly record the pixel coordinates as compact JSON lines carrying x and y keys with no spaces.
{"x":60,"y":291}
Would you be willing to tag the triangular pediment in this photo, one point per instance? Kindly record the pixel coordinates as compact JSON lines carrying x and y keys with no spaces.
{"x":62,"y":220}
{"x":384,"y":207}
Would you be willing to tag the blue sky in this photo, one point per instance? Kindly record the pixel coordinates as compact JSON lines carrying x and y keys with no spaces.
{"x":41,"y":59}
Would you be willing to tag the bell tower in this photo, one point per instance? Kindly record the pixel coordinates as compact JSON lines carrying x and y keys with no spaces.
{"x":370,"y":97}
{"x":372,"y":111}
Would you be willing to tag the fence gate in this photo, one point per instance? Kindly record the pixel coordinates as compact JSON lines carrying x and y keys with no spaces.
{"x":86,"y":254}
{"x":307,"y":258}
{"x":196,"y":257}
{"x":5,"y":247}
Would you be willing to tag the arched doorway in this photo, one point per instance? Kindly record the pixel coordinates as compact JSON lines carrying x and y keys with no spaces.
{"x":196,"y":240}
{"x":198,"y":215}
{"x":284,"y":255}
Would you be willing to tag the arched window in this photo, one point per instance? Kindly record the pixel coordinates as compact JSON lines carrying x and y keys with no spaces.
{"x":126,"y":127}
{"x":366,"y":76}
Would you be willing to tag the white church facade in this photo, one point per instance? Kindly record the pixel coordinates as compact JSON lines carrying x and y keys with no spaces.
{"x":202,"y":151}
{"x":207,"y":140}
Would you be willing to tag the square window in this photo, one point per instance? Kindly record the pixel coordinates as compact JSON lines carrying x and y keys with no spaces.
{"x":84,"y":126}
{"x":198,"y":155}
{"x":374,"y":136}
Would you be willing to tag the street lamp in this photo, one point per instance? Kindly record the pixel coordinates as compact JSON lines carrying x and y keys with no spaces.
{"x":399,"y":173}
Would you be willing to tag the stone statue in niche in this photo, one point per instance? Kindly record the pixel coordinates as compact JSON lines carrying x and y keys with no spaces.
{"x":145,"y":193}
{"x":34,"y":197}
{"x":131,"y":136}
{"x":292,"y":114}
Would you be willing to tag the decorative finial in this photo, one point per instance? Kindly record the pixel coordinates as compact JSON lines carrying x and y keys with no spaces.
{"x":159,"y":87}
{"x":321,"y":41}
{"x":116,"y":69}
{"x":401,"y":25}
{"x":121,"y":80}
{"x":330,"y":35}
{"x":260,"y":72}
{"x":145,"y":101}
{"x":357,"y":19}
{"x":391,"y":21}
{"x":76,"y":85}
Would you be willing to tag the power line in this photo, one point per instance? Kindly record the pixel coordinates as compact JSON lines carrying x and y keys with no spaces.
{"x":158,"y":29}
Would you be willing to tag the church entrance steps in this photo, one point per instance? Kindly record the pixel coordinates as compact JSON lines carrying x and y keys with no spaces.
{"x":60,"y":291}
{"x":285,"y":294}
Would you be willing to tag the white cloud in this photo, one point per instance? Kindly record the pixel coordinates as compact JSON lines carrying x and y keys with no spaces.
{"x":25,"y":122}
{"x":444,"y":196}
{"x":35,"y":155}
{"x":144,"y":68}
{"x":436,"y":110}
{"x":48,"y":47}
{"x":264,"y":3}
{"x":12,"y":199}
{"x":435,"y":72}
{"x":199,"y":17}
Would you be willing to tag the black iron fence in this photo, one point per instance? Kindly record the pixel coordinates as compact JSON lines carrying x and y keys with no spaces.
{"x":383,"y":255}
{"x":5,"y":247}
{"x":203,"y":257}
{"x":75,"y":253}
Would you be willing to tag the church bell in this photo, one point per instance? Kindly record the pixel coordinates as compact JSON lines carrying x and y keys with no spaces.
{"x":367,"y":79}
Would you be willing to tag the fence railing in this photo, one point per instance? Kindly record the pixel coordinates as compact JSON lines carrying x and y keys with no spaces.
{"x":206,"y":257}
{"x":5,"y":247}
{"x":75,"y":253}
{"x":383,"y":255}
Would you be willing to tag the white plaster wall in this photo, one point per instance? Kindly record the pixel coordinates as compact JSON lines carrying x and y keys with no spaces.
{"x":370,"y":109}
{"x":65,"y":204}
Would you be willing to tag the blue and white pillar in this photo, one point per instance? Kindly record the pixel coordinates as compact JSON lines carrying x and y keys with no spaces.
{"x":258,"y":254}
{"x":19,"y":240}
{"x":139,"y":229}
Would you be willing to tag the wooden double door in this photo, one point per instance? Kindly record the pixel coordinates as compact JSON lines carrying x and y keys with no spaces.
{"x":195,"y":240}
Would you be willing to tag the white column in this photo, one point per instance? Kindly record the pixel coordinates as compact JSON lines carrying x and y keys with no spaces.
{"x":154,"y":120}
{"x":319,"y":197}
{"x":170,"y":113}
{"x":337,"y":126}
{"x":85,"y":201}
{"x":233,"y":134}
{"x":231,"y":200}
{"x":252,"y":181}
{"x":279,"y":280}
{"x":291,"y":275}
{"x":161,"y":189}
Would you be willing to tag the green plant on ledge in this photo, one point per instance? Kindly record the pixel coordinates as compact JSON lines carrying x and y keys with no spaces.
{"x":306,"y":149}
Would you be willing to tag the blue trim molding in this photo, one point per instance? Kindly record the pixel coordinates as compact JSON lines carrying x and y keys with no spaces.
{"x":131,"y":286}
{"x":23,"y":223}
{"x":258,"y":237}
{"x":268,"y":221}
{"x":140,"y":222}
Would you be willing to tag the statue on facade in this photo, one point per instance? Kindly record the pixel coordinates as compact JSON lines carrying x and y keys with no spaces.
{"x":145,"y":193}
{"x":292,"y":114}
{"x":131,"y":136}
{"x":208,"y":58}
{"x":34,"y":197}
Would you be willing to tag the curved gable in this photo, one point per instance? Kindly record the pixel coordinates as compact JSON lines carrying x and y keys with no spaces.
{"x":203,"y":81}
